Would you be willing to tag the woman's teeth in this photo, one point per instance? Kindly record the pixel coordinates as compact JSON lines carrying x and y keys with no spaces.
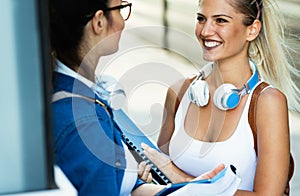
{"x":211,"y":44}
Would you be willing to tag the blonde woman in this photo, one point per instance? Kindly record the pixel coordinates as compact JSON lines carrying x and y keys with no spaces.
{"x":206,"y":118}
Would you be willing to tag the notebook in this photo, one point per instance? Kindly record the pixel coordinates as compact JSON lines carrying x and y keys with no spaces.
{"x":133,"y":137}
{"x":224,"y":183}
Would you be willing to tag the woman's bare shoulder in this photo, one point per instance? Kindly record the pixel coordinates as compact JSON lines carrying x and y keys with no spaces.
{"x":271,"y":98}
{"x":272,"y":111}
{"x":178,"y":89}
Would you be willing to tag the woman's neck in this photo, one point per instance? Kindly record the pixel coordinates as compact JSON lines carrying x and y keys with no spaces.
{"x":87,"y":67}
{"x":235,"y":72}
{"x":86,"y":71}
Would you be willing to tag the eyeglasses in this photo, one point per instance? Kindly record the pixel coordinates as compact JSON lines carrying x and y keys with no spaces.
{"x":125,"y":9}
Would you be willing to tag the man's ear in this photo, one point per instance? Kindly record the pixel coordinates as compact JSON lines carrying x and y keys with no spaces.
{"x":98,"y":21}
{"x":253,"y":30}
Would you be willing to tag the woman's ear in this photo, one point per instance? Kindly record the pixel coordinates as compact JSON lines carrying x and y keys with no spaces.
{"x":98,"y":21}
{"x":253,"y":30}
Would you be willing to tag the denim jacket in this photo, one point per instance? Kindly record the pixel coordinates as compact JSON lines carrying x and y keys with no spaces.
{"x":87,"y":143}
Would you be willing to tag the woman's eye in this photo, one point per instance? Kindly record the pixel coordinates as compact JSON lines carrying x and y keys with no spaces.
{"x":200,"y":18}
{"x":221,"y":20}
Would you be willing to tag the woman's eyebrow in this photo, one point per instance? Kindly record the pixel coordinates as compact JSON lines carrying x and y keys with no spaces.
{"x":215,"y":16}
{"x":220,"y":15}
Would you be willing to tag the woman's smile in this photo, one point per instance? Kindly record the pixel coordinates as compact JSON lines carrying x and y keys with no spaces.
{"x":211,"y":44}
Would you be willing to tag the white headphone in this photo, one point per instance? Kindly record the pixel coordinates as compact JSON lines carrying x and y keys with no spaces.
{"x":226,"y":96}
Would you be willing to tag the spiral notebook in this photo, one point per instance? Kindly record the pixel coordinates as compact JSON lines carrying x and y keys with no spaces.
{"x":133,"y":137}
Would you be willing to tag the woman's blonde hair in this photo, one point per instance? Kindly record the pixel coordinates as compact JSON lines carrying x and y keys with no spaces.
{"x":272,"y":54}
{"x":270,"y":50}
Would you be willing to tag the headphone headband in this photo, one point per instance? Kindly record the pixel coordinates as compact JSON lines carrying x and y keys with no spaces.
{"x":226,"y":96}
{"x":254,"y":78}
{"x":207,"y":69}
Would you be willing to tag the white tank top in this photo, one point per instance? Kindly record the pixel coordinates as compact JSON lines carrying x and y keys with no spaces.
{"x":196,"y":157}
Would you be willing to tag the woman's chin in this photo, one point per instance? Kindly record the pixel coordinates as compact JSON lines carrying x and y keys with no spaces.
{"x":209,"y":58}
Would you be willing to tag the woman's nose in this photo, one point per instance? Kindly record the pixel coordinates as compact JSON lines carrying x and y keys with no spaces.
{"x":206,"y":29}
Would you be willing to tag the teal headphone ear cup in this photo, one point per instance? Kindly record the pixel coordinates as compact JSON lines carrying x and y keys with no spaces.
{"x":199,"y":92}
{"x":226,"y":97}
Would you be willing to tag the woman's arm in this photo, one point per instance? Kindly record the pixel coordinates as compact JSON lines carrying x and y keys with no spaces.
{"x":167,"y":128}
{"x":273,"y":144}
{"x":147,"y":189}
{"x":173,"y":98}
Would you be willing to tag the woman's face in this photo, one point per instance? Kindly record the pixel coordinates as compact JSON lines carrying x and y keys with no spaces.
{"x":115,"y":18}
{"x":220,"y":31}
{"x":114,"y":28}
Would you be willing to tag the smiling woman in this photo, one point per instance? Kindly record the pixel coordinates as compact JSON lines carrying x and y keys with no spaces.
{"x":208,"y":117}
